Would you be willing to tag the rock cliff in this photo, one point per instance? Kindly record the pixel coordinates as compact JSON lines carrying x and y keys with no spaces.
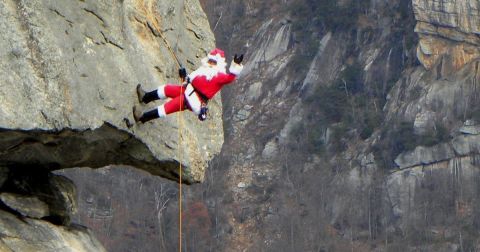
{"x":67,"y":86}
{"x":447,"y":29}
{"x":355,"y":127}
{"x":69,"y":77}
{"x":366,"y":115}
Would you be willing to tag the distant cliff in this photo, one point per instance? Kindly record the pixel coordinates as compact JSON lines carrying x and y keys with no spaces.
{"x":447,"y":29}
{"x":355,"y":127}
{"x":67,"y":82}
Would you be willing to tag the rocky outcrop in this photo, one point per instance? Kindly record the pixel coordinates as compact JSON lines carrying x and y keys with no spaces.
{"x":449,"y":30}
{"x":69,"y":77}
{"x":447,"y":186}
{"x":35,"y":212}
{"x":26,"y":234}
{"x":446,"y":168}
{"x":25,"y":205}
{"x":465,"y":145}
{"x":67,"y":87}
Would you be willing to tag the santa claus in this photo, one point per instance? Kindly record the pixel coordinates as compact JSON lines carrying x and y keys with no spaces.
{"x":201,"y":85}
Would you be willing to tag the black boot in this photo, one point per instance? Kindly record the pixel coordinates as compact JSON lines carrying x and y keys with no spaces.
{"x":144,"y":117}
{"x":146,"y":97}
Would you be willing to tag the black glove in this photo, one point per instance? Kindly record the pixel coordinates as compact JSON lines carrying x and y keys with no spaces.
{"x":203,"y":114}
{"x":239,"y":59}
{"x":182,"y":72}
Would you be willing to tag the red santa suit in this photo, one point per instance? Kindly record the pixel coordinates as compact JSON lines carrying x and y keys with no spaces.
{"x":203,"y":84}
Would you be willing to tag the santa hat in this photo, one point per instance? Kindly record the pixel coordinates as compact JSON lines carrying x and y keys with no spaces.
{"x":217,"y":55}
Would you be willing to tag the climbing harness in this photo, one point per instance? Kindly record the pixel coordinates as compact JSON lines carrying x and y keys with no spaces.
{"x":196,"y":101}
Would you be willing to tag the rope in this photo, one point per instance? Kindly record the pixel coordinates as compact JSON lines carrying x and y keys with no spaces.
{"x":180,"y":126}
{"x":180,"y":123}
{"x":170,"y":49}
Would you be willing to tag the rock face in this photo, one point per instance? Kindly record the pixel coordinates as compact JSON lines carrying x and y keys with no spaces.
{"x":447,"y":29}
{"x":26,"y":206}
{"x":69,"y":77}
{"x":25,"y":234}
{"x":35,"y":212}
{"x":444,"y":168}
{"x":406,"y":182}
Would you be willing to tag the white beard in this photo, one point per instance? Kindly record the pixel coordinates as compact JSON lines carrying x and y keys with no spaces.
{"x":209,"y":71}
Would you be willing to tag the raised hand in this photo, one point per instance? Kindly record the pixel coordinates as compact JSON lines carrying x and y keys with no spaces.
{"x":238,"y":59}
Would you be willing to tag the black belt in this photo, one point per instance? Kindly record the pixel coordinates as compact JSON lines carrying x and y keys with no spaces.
{"x":202,"y":96}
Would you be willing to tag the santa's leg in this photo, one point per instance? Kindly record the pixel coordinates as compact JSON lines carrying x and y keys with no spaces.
{"x":164,"y":91}
{"x":148,"y":115}
{"x":146,"y":97}
{"x":174,"y":105}
{"x":170,"y":91}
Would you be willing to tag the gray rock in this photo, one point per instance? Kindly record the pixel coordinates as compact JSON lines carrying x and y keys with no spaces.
{"x":57,"y":192}
{"x":469,"y":122}
{"x":69,"y":71}
{"x":30,"y":235}
{"x":424,"y":155}
{"x":471,"y":130}
{"x":466,"y":144}
{"x":406,"y":187}
{"x":25,"y":205}
{"x":271,"y":149}
{"x":424,"y":122}
{"x":63,"y":201}
{"x":273,"y":45}
{"x":243,"y":114}
{"x":254,"y":91}
{"x":429,"y":92}
{"x":313,"y":75}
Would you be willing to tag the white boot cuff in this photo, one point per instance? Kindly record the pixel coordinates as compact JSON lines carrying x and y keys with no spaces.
{"x":161,"y":92}
{"x":161,"y":111}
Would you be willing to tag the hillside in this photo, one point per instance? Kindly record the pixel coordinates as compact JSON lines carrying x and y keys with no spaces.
{"x":354,"y":128}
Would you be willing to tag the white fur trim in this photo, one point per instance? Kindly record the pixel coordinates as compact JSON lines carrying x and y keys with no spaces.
{"x":217,"y":57}
{"x":212,"y":57}
{"x":235,"y":68}
{"x":208,"y":70}
{"x":193,"y":100}
{"x":161,"y":92}
{"x":161,"y":111}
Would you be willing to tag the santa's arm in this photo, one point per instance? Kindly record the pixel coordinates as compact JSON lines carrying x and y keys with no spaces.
{"x":194,"y":74}
{"x":236,"y":66}
{"x":235,"y":70}
{"x":224,"y":78}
